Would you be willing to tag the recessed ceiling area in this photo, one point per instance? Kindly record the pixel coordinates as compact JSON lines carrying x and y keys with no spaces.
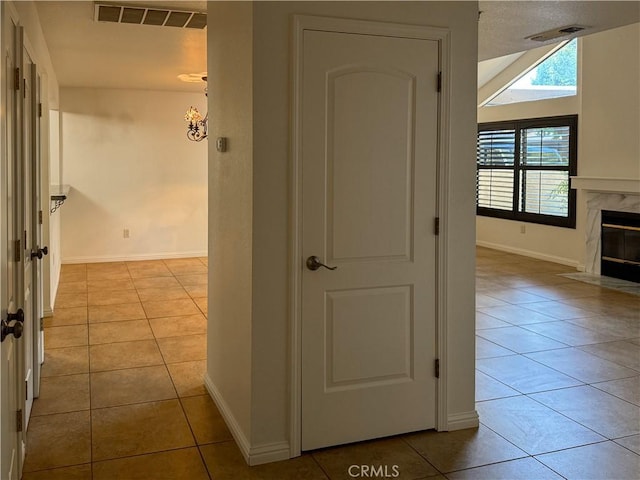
{"x":505,"y":27}
{"x":88,"y":53}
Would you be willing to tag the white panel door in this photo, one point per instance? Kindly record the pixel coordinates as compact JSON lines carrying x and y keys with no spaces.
{"x":369,"y":190}
{"x":10,"y":367}
{"x":28,"y":207}
{"x":36,"y":250}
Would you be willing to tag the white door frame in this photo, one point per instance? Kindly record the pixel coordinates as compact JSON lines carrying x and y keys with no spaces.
{"x":363,"y":27}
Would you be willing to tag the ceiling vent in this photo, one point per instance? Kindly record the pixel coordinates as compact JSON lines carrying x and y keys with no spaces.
{"x":556,"y":33}
{"x":109,"y":12}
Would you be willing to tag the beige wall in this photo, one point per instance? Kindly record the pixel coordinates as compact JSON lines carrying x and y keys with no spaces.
{"x":229,"y":52}
{"x":608,"y":105}
{"x":130,"y":166}
{"x":610,"y":120}
{"x":261,"y":245}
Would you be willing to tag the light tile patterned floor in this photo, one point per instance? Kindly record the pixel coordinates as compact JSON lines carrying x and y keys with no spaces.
{"x":558,"y":384}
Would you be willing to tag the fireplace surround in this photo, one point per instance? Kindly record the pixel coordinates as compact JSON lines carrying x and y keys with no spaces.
{"x":609,"y":194}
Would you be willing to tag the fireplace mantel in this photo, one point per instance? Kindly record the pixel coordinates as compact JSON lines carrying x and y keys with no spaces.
{"x":607,"y":184}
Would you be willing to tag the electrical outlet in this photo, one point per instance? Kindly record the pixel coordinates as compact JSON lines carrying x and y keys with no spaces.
{"x":125,"y":233}
{"x":523,"y":229}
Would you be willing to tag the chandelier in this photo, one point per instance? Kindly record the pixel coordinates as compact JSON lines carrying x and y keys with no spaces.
{"x":198,"y":126}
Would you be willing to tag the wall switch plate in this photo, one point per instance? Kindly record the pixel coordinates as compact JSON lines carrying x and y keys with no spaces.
{"x":125,"y":233}
{"x":221,"y":144}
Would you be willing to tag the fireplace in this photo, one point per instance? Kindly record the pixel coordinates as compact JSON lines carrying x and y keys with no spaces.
{"x":620,"y":245}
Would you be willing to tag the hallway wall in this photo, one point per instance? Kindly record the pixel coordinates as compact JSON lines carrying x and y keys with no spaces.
{"x":249,"y":316}
{"x":130,"y":166}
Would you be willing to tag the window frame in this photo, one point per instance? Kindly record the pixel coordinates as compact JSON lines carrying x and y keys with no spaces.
{"x":518,"y":126}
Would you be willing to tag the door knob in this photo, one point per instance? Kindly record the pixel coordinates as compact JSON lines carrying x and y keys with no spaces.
{"x":39,"y":252}
{"x":18,"y":316}
{"x":15,"y":329}
{"x":314,"y":263}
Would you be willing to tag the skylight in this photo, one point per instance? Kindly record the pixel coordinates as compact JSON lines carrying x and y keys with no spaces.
{"x":554,"y":77}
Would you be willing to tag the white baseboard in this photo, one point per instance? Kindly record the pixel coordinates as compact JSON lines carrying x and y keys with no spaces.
{"x":269,"y":452}
{"x":460,"y":421}
{"x":253,"y":455}
{"x":132,"y":257}
{"x":230,"y":420}
{"x":530,"y":253}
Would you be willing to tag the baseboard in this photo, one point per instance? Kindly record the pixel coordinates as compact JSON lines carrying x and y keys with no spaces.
{"x":132,"y":257}
{"x":530,"y":253}
{"x":460,"y":421}
{"x":230,"y":420}
{"x":47,"y":312}
{"x":253,"y":455}
{"x":269,"y":452}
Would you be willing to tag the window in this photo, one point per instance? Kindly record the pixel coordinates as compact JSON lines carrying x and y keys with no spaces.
{"x":556,"y":76}
{"x":523,"y":170}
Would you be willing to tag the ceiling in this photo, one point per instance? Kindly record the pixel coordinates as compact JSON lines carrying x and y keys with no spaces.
{"x":504,"y":26}
{"x":86,"y":53}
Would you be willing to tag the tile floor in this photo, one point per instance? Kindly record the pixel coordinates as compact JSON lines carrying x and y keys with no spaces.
{"x":558,"y":384}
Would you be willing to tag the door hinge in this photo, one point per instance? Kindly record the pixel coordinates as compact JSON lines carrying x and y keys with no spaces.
{"x":24,"y":89}
{"x":17,"y":247}
{"x":40,"y":109}
{"x":41,"y":324}
{"x":436,"y":226}
{"x":40,"y":217}
{"x":439,"y":81}
{"x":437,"y":367}
{"x":19,"y":420}
{"x":16,"y":79}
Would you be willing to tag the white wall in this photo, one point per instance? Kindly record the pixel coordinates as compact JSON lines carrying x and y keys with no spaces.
{"x":258,"y":397}
{"x":608,"y":105}
{"x":52,"y":226}
{"x":130,"y":166}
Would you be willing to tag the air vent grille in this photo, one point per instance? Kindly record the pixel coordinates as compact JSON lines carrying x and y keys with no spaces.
{"x":177,"y":19}
{"x":108,"y":12}
{"x":132,"y":15}
{"x":557,"y":33}
{"x":155,"y":17}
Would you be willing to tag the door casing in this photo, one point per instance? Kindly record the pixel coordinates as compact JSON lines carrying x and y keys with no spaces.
{"x":296,"y":262}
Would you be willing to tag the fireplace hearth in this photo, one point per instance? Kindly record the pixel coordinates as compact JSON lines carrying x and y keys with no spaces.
{"x":620,"y":251}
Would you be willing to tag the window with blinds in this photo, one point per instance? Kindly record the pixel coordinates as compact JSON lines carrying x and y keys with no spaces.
{"x":523,"y":170}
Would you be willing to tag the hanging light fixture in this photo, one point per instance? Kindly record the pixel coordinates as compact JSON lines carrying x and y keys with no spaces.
{"x":198,"y":126}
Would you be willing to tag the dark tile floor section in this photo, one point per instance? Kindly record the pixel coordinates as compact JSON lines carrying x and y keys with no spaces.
{"x":558,"y":384}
